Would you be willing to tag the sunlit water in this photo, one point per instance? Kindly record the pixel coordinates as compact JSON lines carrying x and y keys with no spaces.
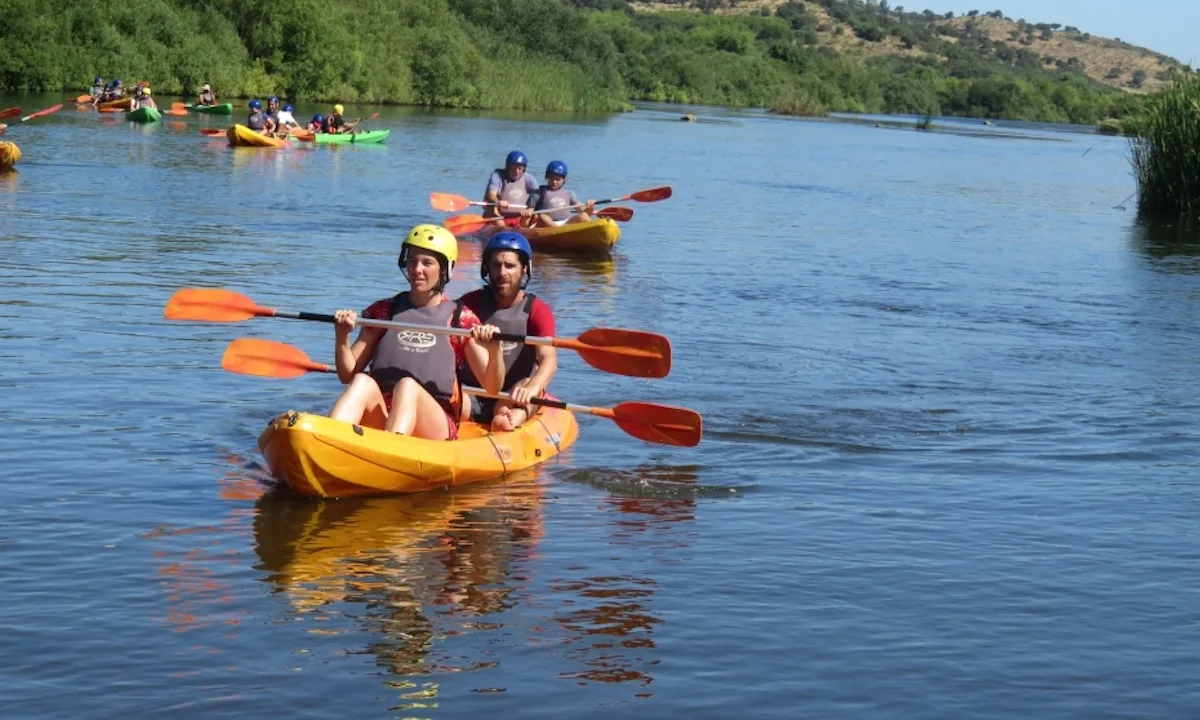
{"x":949,"y":467}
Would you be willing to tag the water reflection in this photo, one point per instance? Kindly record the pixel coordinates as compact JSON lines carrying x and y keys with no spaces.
{"x":1177,"y":240}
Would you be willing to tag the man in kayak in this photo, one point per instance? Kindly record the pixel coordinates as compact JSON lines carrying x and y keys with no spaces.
{"x":410,"y":385}
{"x":286,"y":120}
{"x":335,"y":123}
{"x":142,"y":99}
{"x":507,"y":268}
{"x":554,"y":196}
{"x":317,"y":124}
{"x":207,"y":98}
{"x":257,"y":120}
{"x":112,"y":91}
{"x":509,"y":188}
{"x":272,"y":116}
{"x":97,"y":87}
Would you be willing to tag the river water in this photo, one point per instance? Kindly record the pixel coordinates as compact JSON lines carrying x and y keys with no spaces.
{"x":949,"y":467}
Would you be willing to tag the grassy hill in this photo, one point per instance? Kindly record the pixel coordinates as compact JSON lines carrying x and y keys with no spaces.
{"x":845,"y":26}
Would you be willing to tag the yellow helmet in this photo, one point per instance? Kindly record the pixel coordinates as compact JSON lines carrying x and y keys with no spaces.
{"x":435,"y":239}
{"x":146,"y":91}
{"x":338,"y":109}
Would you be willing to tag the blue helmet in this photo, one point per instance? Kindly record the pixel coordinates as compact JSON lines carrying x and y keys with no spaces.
{"x":255,"y":105}
{"x":98,"y":80}
{"x":319,"y":119}
{"x":508,"y":240}
{"x":516,"y":157}
{"x":556,"y":167}
{"x":273,"y":99}
{"x":288,"y":108}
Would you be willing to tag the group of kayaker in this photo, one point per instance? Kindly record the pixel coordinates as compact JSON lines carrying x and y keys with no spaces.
{"x":409,"y":382}
{"x":274,"y":121}
{"x":511,"y":193}
{"x":102,"y":92}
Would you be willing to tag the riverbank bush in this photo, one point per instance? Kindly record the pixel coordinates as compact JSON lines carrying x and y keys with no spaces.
{"x":1166,"y":151}
{"x":587,"y":56}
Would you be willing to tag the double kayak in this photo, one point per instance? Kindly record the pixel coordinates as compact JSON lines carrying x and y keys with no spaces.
{"x":594,"y":236}
{"x":372,"y":137}
{"x":242,"y":136}
{"x":120,"y":104}
{"x":322,"y":457}
{"x":144,"y":115}
{"x":222,"y":109}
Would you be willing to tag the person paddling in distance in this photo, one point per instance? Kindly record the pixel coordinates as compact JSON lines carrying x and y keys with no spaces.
{"x":507,"y":268}
{"x":97,"y":88}
{"x":286,"y":120}
{"x":207,"y":98}
{"x":257,"y":119}
{"x":411,"y":387}
{"x":317,"y":124}
{"x":509,"y":189}
{"x":142,"y":99}
{"x":272,"y":114}
{"x":556,"y":197}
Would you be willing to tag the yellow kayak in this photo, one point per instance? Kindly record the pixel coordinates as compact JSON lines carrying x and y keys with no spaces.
{"x":593,"y":236}
{"x":242,"y":136}
{"x":9,"y":155}
{"x":318,"y":456}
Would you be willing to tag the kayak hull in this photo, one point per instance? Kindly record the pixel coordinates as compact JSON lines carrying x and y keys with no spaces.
{"x":371,"y":137}
{"x":242,"y":136}
{"x":596,"y":236}
{"x":321,"y":457}
{"x":9,"y":155}
{"x":120,"y":104}
{"x":222,"y":109}
{"x":143,"y":115}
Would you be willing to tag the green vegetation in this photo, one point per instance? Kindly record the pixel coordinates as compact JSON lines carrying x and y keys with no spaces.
{"x":1166,"y":151}
{"x":582,"y":55}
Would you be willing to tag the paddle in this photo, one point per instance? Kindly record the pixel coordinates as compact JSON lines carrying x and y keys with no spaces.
{"x":632,"y":353}
{"x":661,"y":424}
{"x":352,"y":125}
{"x":174,"y":111}
{"x":466,"y":224}
{"x":213,"y":132}
{"x":38,"y":114}
{"x":83,"y":99}
{"x":447,"y":202}
{"x":10,"y":112}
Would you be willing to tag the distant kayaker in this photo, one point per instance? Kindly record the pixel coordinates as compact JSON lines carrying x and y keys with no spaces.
{"x":257,"y":120}
{"x":142,"y":99}
{"x":97,"y":87}
{"x":207,"y":98}
{"x":272,"y":115}
{"x":411,"y":387}
{"x":555,"y":196}
{"x":286,"y":120}
{"x":335,"y":122}
{"x":507,"y":268}
{"x":317,"y":124}
{"x":509,"y":188}
{"x":112,"y":91}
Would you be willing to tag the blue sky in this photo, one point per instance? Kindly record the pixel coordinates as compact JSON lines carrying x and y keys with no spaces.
{"x":1171,"y":27}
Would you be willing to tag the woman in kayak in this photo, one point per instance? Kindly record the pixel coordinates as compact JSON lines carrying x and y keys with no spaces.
{"x":335,"y":123}
{"x":142,"y":99}
{"x":317,"y":124}
{"x":207,"y":98}
{"x":97,"y":87}
{"x":556,"y":197}
{"x":509,"y":188}
{"x":507,"y":268}
{"x":257,"y":120}
{"x":411,"y":386}
{"x":286,"y":120}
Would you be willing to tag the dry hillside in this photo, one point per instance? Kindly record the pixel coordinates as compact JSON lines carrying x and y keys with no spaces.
{"x":1109,"y":61}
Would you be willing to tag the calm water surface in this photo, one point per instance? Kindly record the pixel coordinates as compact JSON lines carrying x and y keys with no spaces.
{"x":949,"y":468}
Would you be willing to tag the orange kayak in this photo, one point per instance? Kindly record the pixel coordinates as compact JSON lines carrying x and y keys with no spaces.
{"x":318,"y":456}
{"x":121,"y":104}
{"x":242,"y":136}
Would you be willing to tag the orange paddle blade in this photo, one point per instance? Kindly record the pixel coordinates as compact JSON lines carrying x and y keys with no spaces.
{"x":661,"y":424}
{"x":632,"y":353}
{"x":446,"y":202}
{"x":212,"y":305}
{"x":111,"y":110}
{"x":10,"y":112}
{"x":465,"y":224}
{"x":302,"y":135}
{"x":617,"y":213}
{"x":652,"y":195}
{"x":267,"y":358}
{"x":41,"y":113}
{"x":213,"y":132}
{"x":83,"y":98}
{"x":178,"y":104}
{"x":175,"y":111}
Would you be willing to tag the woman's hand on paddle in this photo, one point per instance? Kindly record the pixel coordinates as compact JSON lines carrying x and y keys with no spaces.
{"x":345,"y":320}
{"x":483,"y":335}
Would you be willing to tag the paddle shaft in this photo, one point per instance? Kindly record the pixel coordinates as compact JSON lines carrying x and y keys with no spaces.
{"x":391,"y":325}
{"x":544,"y":402}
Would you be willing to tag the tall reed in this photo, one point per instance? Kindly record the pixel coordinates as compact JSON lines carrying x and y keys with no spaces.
{"x":1166,"y":150}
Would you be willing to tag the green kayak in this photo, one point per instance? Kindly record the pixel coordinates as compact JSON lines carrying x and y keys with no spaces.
{"x":370,"y":136}
{"x":144,"y":115}
{"x":222,"y":109}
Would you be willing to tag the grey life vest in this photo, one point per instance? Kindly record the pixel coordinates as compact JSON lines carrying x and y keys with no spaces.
{"x":520,"y":360}
{"x":426,"y":357}
{"x":560,"y":198}
{"x":514,"y":192}
{"x":257,"y":120}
